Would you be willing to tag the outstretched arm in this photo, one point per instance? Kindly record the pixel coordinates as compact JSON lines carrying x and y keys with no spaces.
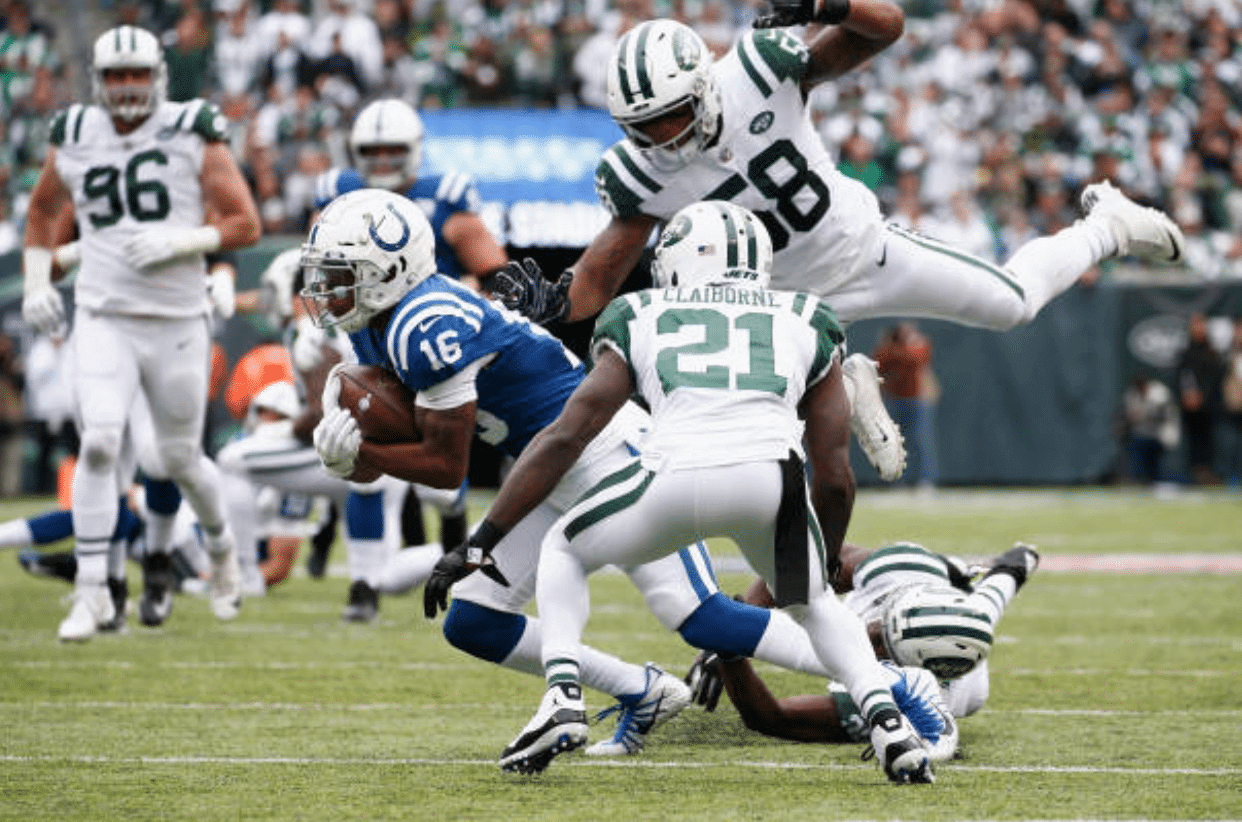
{"x":806,"y":718}
{"x":607,"y":261}
{"x":869,"y":27}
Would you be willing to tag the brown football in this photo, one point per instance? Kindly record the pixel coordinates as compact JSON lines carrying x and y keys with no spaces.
{"x":380,"y":402}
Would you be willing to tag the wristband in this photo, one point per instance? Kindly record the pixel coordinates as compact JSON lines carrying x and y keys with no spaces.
{"x":487,"y":535}
{"x":204,"y":240}
{"x":833,"y":12}
{"x":37,"y":268}
{"x":68,"y":255}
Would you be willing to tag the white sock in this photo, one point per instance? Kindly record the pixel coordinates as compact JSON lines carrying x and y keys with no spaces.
{"x":785,"y":644}
{"x":15,"y":534}
{"x":408,"y":569}
{"x":599,"y":671}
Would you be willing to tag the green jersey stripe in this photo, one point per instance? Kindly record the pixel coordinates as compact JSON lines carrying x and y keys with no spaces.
{"x":601,"y":512}
{"x":996,"y":271}
{"x":752,"y":71}
{"x":641,"y":177}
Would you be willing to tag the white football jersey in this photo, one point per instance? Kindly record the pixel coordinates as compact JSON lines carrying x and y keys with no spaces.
{"x":123,"y":184}
{"x":722,"y":368}
{"x":767,"y":158}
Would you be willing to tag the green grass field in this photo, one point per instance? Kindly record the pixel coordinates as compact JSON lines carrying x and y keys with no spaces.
{"x":1114,"y":696}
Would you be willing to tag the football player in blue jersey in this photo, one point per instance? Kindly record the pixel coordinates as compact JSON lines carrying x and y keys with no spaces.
{"x":386,"y":143}
{"x":482,"y":370}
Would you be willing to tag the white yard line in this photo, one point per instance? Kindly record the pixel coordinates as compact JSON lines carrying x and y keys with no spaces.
{"x":600,"y":763}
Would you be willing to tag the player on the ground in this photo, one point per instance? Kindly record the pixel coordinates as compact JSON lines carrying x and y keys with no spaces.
{"x":153,"y":187}
{"x":714,"y":354}
{"x":737,"y":129}
{"x":921,"y":609}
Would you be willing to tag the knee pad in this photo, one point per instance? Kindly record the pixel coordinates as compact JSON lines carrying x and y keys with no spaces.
{"x":100,"y":448}
{"x":482,"y":632}
{"x":726,"y":626}
{"x":179,"y":456}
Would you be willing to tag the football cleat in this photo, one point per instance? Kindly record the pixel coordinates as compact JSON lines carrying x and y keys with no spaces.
{"x":363,"y":605}
{"x":918,"y":696}
{"x":224,"y":589}
{"x":92,"y":610}
{"x":664,"y":697}
{"x":897,"y":748}
{"x":158,"y":583}
{"x":119,"y":591}
{"x":559,"y":726}
{"x":62,"y":565}
{"x":1139,"y":231}
{"x":877,"y":434}
{"x":1020,"y":562}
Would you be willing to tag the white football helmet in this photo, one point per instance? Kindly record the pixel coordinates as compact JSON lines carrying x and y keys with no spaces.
{"x":713,"y":242}
{"x":129,"y":47}
{"x":937,"y":629}
{"x":655,"y":68}
{"x":394,"y":128}
{"x":365,"y":252}
{"x":280,"y":397}
{"x":276,"y":282}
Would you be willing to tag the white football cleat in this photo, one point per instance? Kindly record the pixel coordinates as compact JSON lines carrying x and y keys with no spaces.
{"x":224,"y":590}
{"x":559,"y":726}
{"x":918,"y":696}
{"x":899,"y":750}
{"x":92,"y":612}
{"x":874,"y":429}
{"x":664,"y":697}
{"x":1139,"y":231}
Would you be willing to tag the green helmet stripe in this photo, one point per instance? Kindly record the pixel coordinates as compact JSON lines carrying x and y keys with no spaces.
{"x":947,"y":630}
{"x":640,"y":58}
{"x":752,"y":244}
{"x":731,"y":238}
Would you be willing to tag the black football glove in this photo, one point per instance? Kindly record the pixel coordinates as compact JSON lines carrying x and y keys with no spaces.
{"x":475,"y":554}
{"x":787,"y":13}
{"x":799,"y":12}
{"x":523,"y":288}
{"x":704,"y":680}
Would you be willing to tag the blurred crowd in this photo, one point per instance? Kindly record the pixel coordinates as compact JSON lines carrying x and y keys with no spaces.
{"x":980,"y":126}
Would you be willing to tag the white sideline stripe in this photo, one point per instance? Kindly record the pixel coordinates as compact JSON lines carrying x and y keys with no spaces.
{"x":597,"y":763}
{"x":431,"y":666}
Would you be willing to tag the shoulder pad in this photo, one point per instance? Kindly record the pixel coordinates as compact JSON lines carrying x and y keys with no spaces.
{"x":621,"y":185}
{"x":773,"y":56}
{"x":209,"y":123}
{"x":67,"y":125}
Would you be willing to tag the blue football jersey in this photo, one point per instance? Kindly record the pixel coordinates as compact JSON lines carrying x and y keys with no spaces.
{"x":441,"y":327}
{"x":440,"y":196}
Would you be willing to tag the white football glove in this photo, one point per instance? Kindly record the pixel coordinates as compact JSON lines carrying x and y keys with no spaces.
{"x":68,"y":256}
{"x":337,"y":439}
{"x":307,"y":350}
{"x":43,"y":308}
{"x":156,"y":246}
{"x":222,"y":292}
{"x":331,"y":399}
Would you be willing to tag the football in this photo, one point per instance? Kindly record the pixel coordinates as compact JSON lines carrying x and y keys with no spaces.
{"x":381,"y":403}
